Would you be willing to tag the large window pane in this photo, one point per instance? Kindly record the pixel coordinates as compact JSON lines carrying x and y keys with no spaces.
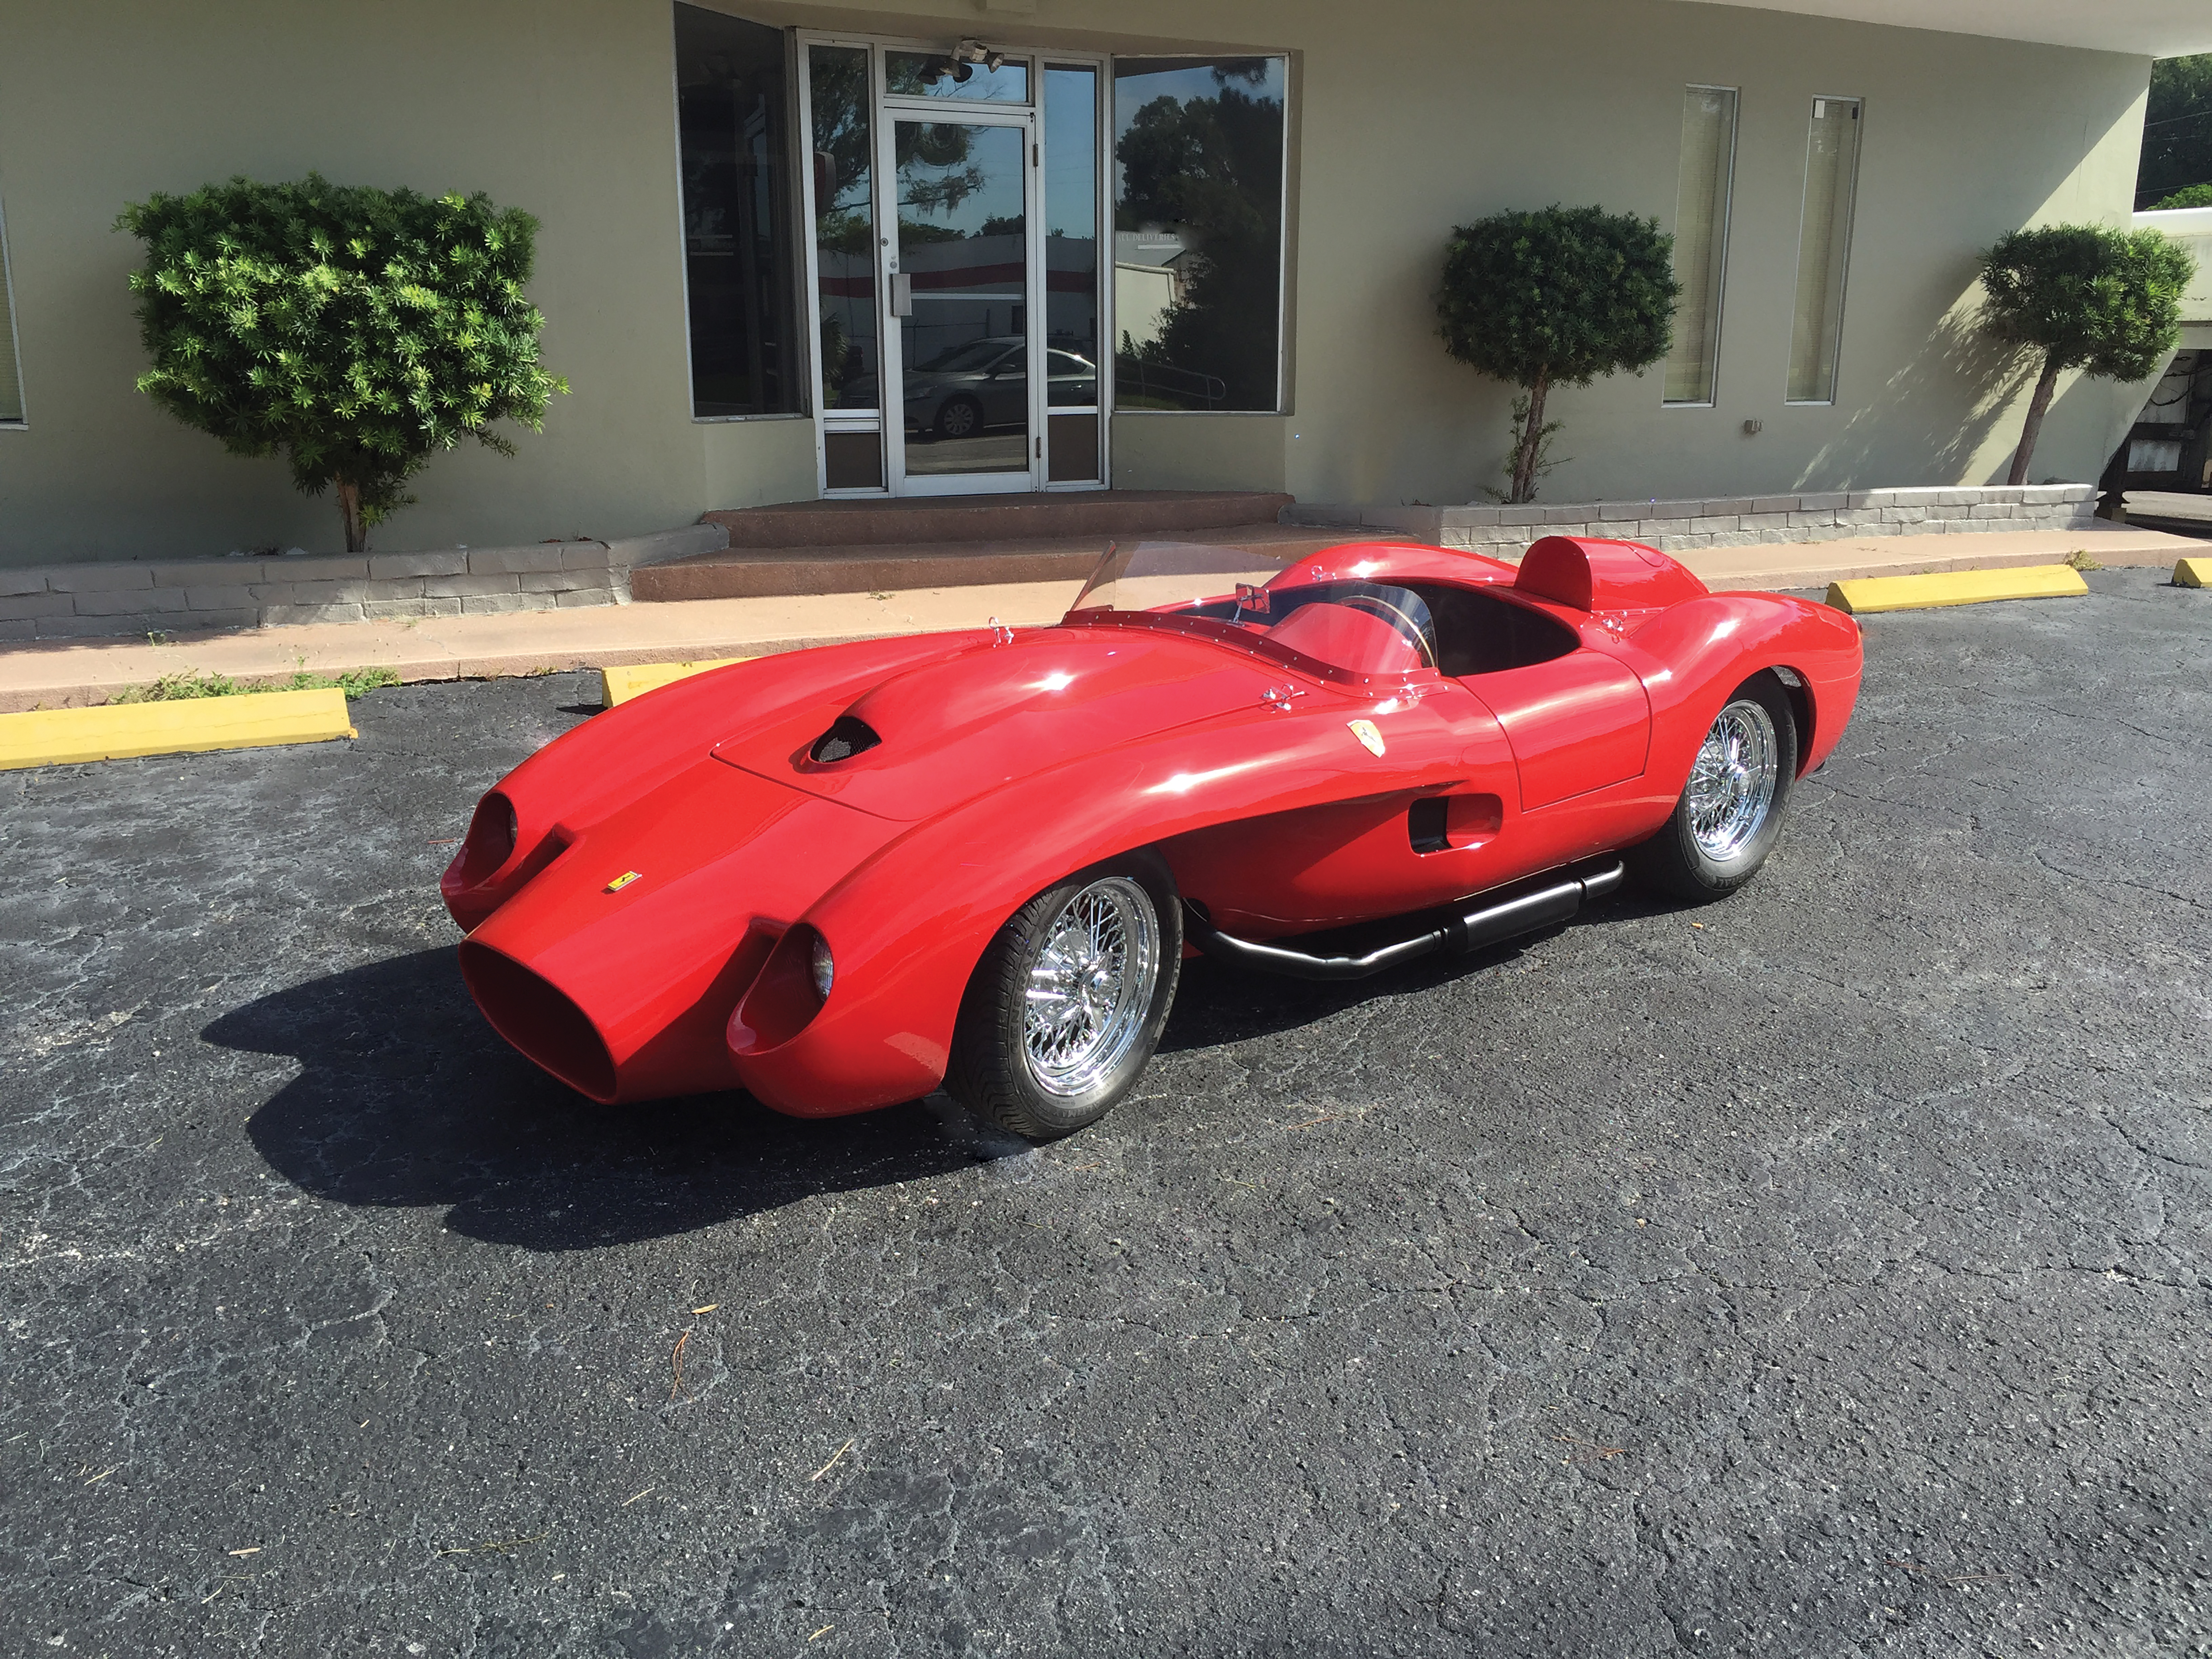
{"x":844,"y":223}
{"x":1197,"y":231}
{"x":1071,"y":270}
{"x":1824,"y":237}
{"x":733,"y":113}
{"x":1701,"y":215}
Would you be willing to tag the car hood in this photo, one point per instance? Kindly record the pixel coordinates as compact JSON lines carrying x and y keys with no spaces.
{"x":986,"y":715}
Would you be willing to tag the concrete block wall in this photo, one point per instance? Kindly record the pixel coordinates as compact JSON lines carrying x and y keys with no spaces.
{"x":139,"y":597}
{"x":1729,"y":521}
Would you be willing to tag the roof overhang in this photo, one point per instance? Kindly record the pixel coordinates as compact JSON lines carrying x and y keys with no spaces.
{"x":2150,"y":29}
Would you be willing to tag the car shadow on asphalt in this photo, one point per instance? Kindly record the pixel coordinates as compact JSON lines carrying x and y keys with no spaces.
{"x":406,"y":1098}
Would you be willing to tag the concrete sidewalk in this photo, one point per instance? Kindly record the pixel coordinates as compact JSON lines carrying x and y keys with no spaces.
{"x":68,"y":673}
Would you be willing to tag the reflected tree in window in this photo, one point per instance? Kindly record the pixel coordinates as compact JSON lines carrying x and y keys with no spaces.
{"x":1200,"y":165}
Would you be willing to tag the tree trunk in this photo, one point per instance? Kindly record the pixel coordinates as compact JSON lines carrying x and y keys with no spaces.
{"x":1524,"y":452}
{"x":2037,"y":407}
{"x":349,"y":508}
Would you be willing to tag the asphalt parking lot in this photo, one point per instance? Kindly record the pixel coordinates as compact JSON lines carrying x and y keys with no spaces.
{"x":1825,"y":1273}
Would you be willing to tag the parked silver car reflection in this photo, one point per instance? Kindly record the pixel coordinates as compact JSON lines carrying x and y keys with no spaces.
{"x":980,"y":385}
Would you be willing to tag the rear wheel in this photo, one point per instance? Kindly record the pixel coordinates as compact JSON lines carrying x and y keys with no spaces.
{"x":1068,"y":1002}
{"x":1730,"y":810}
{"x":961,"y":417}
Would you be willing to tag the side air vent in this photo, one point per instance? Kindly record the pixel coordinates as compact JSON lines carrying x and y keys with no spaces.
{"x":1425,"y":825}
{"x":844,"y":741}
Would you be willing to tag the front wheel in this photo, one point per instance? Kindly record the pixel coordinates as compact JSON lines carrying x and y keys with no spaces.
{"x":1730,"y":810}
{"x":1068,"y":1002}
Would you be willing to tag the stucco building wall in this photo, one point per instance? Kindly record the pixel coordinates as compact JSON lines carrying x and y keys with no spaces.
{"x":1405,"y":121}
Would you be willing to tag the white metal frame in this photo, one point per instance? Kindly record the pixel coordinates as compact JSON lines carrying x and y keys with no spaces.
{"x":884,"y":110}
{"x":1850,"y":213}
{"x":1711,"y":400}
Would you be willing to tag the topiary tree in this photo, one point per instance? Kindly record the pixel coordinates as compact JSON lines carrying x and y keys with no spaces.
{"x":1555,"y":298}
{"x":355,"y":332}
{"x":2107,"y":301}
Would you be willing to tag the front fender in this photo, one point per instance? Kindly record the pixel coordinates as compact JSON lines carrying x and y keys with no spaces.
{"x":908,"y":924}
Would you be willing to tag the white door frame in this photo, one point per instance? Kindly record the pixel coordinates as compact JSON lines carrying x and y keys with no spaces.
{"x":887,"y":421}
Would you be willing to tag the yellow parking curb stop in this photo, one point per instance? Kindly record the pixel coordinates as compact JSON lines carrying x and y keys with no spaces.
{"x":253,"y":719}
{"x":2192,"y":573}
{"x":619,"y":685}
{"x":2032,"y":582}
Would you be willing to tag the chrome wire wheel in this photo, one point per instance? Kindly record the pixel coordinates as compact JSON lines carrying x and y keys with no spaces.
{"x":1089,"y":986}
{"x":1732,"y":783}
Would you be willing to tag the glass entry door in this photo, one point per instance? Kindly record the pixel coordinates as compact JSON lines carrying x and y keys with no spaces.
{"x":954,"y":271}
{"x":961,"y":311}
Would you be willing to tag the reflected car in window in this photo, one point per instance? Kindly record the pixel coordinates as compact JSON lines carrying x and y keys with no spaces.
{"x":982,"y":385}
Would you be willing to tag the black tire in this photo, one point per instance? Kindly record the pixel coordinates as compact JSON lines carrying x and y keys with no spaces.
{"x":993,"y":1070}
{"x":1679,"y":859}
{"x":959,"y":417}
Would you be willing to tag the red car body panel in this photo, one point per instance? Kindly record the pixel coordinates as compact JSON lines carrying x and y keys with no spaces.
{"x":1007,"y":762}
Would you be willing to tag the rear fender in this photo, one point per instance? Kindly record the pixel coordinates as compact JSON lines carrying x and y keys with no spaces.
{"x":1693,"y":655}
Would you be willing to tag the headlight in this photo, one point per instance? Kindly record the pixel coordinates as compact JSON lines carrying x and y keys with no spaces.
{"x":825,"y":970}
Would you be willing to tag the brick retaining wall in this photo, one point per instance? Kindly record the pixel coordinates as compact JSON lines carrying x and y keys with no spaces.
{"x":77,"y":601}
{"x":1728,"y":521}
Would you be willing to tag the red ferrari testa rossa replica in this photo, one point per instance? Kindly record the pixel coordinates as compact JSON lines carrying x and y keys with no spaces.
{"x":843,"y":877}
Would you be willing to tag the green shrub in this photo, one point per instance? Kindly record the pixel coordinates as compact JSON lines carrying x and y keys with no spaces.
{"x":2195,"y":196}
{"x":2084,"y":296}
{"x":1555,"y":298}
{"x":355,"y":332}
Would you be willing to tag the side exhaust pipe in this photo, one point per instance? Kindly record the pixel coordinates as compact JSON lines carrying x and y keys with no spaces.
{"x":1473,"y":923}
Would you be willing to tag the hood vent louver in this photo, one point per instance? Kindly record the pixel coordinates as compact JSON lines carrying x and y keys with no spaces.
{"x":845,"y":739}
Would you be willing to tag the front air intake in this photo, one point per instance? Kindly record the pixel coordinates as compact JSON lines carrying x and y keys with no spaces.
{"x":846,"y":737}
{"x":539,"y":1019}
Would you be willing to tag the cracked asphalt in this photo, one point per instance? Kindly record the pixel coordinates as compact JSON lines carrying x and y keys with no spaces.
{"x":1824,"y":1273}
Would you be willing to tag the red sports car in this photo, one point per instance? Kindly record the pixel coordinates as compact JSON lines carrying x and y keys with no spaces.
{"x":841,"y":877}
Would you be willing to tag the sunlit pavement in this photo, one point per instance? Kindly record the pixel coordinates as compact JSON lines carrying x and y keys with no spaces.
{"x":1824,"y":1273}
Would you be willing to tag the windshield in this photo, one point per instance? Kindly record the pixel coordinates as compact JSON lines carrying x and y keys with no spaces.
{"x":1280,"y":603}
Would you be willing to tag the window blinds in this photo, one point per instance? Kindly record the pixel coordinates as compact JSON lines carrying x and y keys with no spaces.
{"x":1824,"y":235}
{"x":1701,"y":215}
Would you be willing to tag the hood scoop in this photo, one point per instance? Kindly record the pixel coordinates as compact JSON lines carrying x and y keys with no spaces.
{"x":848,"y":736}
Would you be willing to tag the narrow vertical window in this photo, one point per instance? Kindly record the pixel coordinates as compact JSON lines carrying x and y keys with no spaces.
{"x":842,"y":143}
{"x":734,"y":118}
{"x":11,"y":379}
{"x":1701,"y":220}
{"x":1824,"y":239}
{"x":1071,"y":272}
{"x":1197,"y":231}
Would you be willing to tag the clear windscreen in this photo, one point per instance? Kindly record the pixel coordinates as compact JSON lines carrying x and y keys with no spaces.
{"x":1285,"y":603}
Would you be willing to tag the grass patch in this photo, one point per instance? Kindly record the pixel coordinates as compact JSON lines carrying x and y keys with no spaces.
{"x":2082,"y":559}
{"x":176,"y":688}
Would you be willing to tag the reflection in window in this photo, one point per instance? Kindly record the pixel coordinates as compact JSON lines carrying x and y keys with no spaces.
{"x":1701,"y":215}
{"x":1197,"y":231}
{"x":737,"y":242}
{"x":935,"y":74}
{"x":1824,"y":237}
{"x":844,"y":223}
{"x":1071,"y":271}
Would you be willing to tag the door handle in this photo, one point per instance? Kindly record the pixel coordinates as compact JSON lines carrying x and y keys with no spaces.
{"x":901,"y":295}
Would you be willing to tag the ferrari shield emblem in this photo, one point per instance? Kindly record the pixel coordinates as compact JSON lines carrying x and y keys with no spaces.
{"x":1369,"y":738}
{"x":622,"y":881}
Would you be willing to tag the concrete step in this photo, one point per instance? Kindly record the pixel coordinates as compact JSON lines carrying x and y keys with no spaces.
{"x":868,"y":567}
{"x":885,"y":521}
